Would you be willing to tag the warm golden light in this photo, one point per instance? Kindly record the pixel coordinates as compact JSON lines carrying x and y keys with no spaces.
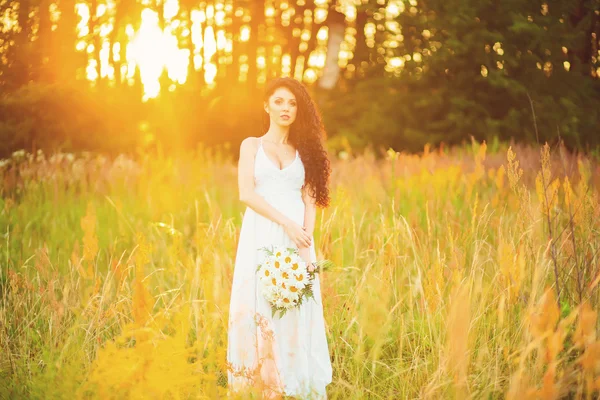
{"x":160,"y":46}
{"x":322,"y":35}
{"x":370,"y":29}
{"x":210,"y":44}
{"x":310,"y":76}
{"x":170,"y":9}
{"x":145,"y":52}
{"x":320,"y":15}
{"x":100,"y":10}
{"x":153,"y":51}
{"x":396,"y":62}
{"x":548,"y":68}
{"x":261,"y":62}
{"x":245,"y":33}
{"x":394,"y":8}
{"x":349,"y":10}
{"x":317,"y":59}
{"x":498,"y":48}
{"x":155,"y":48}
{"x":84,"y":13}
{"x":210,"y":72}
{"x":305,"y":36}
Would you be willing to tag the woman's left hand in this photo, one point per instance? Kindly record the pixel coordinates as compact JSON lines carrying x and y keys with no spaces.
{"x":304,"y":253}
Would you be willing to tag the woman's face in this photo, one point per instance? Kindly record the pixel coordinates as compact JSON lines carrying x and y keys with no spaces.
{"x":282,"y":107}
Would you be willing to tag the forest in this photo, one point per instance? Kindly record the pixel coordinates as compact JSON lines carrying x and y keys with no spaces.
{"x":120,"y":75}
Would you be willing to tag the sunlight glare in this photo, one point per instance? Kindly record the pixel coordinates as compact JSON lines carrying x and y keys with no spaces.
{"x":394,"y":8}
{"x":156,"y":52}
{"x":244,"y":33}
{"x":153,"y":50}
{"x":310,"y":76}
{"x":83,"y":11}
{"x":210,"y":72}
{"x":210,"y":44}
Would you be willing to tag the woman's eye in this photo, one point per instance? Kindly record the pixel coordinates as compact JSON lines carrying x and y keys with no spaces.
{"x":293,"y":104}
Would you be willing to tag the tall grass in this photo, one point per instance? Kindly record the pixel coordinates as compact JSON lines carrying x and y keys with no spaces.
{"x":116,"y":275}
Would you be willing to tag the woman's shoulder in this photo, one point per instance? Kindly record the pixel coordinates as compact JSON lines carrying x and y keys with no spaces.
{"x":250,"y":144}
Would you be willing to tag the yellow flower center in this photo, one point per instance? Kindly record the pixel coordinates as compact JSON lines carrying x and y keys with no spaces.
{"x":276,"y":264}
{"x":288,"y":259}
{"x":267,"y":273}
{"x":286,"y":300}
{"x":295,"y":266}
{"x":283,"y":285}
{"x":285,"y":275}
{"x":300,"y":277}
{"x":274,"y":281}
{"x":293,"y":289}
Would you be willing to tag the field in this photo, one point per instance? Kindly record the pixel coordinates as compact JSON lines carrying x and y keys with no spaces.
{"x":459,"y":273}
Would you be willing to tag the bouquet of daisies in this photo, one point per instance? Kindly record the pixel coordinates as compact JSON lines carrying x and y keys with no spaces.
{"x":285,"y":279}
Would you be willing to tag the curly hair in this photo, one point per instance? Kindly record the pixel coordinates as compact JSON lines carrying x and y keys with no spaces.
{"x":306,"y":135}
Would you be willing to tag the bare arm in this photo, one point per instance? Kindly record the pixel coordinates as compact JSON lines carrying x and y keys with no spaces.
{"x":310,"y":211}
{"x":256,"y":202}
{"x":310,"y":214}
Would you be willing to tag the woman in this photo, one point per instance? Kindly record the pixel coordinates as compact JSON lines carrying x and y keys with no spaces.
{"x":283,"y":177}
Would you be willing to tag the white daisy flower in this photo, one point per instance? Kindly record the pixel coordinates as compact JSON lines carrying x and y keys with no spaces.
{"x":265,"y":273}
{"x":270,"y":292}
{"x":288,"y":302}
{"x":279,"y":251}
{"x":286,"y":277}
{"x":279,"y":302}
{"x":278,"y":263}
{"x":293,"y":293}
{"x":297,"y":265}
{"x":301,"y":278}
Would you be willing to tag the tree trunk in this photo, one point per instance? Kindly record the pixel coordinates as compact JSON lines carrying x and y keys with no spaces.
{"x":337,"y":26}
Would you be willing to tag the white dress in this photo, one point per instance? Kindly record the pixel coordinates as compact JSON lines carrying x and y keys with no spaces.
{"x":289,"y":355}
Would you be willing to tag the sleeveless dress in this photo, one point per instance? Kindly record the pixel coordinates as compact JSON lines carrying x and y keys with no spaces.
{"x":288,"y":355}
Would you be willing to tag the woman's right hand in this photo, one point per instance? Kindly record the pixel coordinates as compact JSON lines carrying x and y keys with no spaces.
{"x":297,"y":233}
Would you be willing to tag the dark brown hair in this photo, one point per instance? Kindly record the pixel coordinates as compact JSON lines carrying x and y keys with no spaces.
{"x":306,"y":134}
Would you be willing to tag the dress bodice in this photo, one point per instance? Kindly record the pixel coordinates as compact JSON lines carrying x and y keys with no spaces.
{"x":269,"y":180}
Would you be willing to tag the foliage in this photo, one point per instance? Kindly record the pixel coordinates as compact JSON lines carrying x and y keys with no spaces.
{"x":116,"y":274}
{"x":463,"y":69}
{"x":482,"y":69}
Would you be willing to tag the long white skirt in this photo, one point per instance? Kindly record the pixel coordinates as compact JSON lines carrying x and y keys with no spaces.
{"x":287,"y":355}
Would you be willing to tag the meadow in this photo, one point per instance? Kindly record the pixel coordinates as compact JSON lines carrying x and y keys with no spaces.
{"x":459,"y":273}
